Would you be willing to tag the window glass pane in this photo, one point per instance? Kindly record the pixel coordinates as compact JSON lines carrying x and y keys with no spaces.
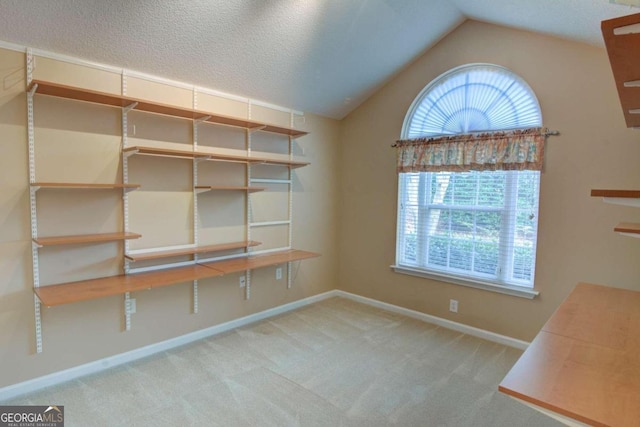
{"x":486,"y":258}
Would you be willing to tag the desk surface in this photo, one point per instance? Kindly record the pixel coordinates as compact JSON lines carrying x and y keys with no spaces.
{"x":585,"y":362}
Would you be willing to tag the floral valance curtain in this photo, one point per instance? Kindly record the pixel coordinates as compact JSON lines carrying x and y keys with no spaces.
{"x":511,"y":150}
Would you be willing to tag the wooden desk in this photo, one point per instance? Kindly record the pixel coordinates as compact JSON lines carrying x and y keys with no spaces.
{"x":585,"y":362}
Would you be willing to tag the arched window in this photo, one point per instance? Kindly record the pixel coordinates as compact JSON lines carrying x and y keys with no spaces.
{"x":477,"y":227}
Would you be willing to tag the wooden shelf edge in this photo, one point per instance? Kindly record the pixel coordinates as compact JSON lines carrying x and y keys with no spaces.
{"x":190,"y":154}
{"x":84,"y":238}
{"x":79,"y":185}
{"x":631,"y":194}
{"x":191,"y":251}
{"x":259,"y":261}
{"x":628,"y":228}
{"x":113,"y":100}
{"x":204,"y":188}
{"x":84,"y":290}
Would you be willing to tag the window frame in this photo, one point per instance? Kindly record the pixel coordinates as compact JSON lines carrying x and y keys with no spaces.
{"x":450,"y":275}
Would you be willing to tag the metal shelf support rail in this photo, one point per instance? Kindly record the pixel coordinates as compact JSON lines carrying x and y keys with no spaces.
{"x":30,"y":65}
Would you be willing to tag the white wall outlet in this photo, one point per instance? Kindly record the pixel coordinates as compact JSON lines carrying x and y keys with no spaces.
{"x":243,"y":281}
{"x":278,"y":273}
{"x":453,"y":305}
{"x":132,"y":306}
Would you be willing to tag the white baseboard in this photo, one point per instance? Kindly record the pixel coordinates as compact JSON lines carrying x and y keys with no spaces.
{"x":35,"y":384}
{"x":449,"y":324}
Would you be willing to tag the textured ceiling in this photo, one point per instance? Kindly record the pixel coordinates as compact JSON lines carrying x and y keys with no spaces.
{"x":319,"y":56}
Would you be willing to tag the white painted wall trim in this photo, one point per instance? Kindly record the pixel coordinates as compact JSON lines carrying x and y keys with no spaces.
{"x":449,"y":324}
{"x":35,"y":384}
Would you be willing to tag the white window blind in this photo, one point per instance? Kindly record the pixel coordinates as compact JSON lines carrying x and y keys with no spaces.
{"x":479,"y":225}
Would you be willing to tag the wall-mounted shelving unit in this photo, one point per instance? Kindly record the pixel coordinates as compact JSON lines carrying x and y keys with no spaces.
{"x":159,"y":266}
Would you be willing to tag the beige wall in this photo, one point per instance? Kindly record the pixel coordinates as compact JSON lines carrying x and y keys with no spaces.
{"x":575,"y":87}
{"x":79,"y":142}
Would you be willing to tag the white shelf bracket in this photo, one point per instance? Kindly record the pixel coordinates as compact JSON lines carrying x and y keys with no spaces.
{"x":129,"y":153}
{"x":257,"y":128}
{"x":130,"y":107}
{"x":289,"y":275}
{"x":201,"y":119}
{"x":33,"y":89}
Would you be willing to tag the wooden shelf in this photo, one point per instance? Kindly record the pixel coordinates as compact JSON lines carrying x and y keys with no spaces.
{"x":88,"y":186}
{"x":623,"y":48}
{"x":584,"y":363}
{"x":118,"y":285}
{"x":619,"y":197}
{"x":631,"y":194}
{"x":191,"y":154}
{"x":259,"y":261}
{"x":190,"y":251}
{"x":66,"y":293}
{"x":86,"y":95}
{"x":84,"y":238}
{"x":203,"y":188}
{"x":628,"y":228}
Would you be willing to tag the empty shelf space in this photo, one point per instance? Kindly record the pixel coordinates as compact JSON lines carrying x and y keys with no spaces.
{"x":204,"y":188}
{"x":629,"y":228}
{"x":84,"y":238}
{"x":87,"y":95}
{"x":191,"y":154}
{"x":118,"y":285}
{"x":190,"y":251}
{"x":259,"y":261}
{"x":86,"y":186}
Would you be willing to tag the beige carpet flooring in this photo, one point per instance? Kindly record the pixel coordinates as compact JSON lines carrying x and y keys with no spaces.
{"x":334,"y":363}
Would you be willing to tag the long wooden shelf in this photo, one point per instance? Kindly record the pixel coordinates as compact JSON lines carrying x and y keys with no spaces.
{"x":203,"y":188}
{"x":191,"y":154}
{"x":584,"y":363}
{"x":87,"y":186}
{"x":191,"y":251}
{"x":86,"y":95}
{"x":84,"y":290}
{"x":117,"y":285}
{"x":623,"y":48}
{"x":84,"y":238}
{"x":259,"y":261}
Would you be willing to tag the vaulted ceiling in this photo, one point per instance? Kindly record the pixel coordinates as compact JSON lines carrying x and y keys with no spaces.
{"x":319,"y":56}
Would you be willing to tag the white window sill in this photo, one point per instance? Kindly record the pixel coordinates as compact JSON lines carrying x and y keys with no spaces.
{"x":516,"y":291}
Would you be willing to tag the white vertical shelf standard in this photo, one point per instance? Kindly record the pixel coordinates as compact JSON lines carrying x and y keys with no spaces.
{"x":32,"y":198}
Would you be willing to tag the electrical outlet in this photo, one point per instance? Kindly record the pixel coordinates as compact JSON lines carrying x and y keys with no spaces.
{"x":243,"y":281}
{"x":132,"y":306}
{"x":278,"y":273}
{"x":453,"y":305}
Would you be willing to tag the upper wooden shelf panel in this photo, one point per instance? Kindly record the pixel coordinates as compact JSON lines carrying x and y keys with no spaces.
{"x":84,"y":238}
{"x":205,"y":188}
{"x":622,"y":38}
{"x":84,"y":186}
{"x":204,"y":155}
{"x":81,"y":94}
